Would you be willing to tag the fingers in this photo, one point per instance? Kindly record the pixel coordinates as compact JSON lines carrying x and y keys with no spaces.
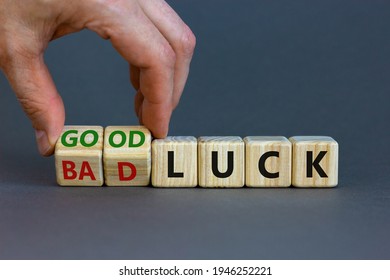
{"x":152,"y":58}
{"x":180,"y":37}
{"x":138,"y":99}
{"x":34,"y":88}
{"x":134,"y":76}
{"x":156,"y":109}
{"x":157,"y":45}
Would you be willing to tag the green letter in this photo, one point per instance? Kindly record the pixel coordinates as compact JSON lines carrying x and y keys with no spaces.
{"x":94,"y":141}
{"x":73,"y":140}
{"x":131,"y":139}
{"x":111,"y":139}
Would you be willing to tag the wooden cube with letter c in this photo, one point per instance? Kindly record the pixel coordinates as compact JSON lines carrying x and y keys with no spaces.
{"x":127,"y":156}
{"x":268,"y":161}
{"x":78,"y":156}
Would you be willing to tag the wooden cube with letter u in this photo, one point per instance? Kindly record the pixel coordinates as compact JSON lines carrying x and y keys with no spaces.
{"x":127,"y":156}
{"x":78,"y":156}
{"x":221,"y":162}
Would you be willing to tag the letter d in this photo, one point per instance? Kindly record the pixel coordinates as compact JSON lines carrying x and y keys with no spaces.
{"x":121,"y":172}
{"x":131,"y":139}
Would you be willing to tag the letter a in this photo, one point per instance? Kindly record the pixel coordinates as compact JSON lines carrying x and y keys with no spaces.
{"x":86,"y":170}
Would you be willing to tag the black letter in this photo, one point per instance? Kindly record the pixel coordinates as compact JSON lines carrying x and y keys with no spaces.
{"x":214,"y":164}
{"x":171,"y":169}
{"x":262,"y":169}
{"x":316,"y":164}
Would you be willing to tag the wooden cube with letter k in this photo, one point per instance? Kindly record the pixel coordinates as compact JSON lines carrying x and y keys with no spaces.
{"x":315,"y":161}
{"x":78,"y":156}
{"x":127,"y":156}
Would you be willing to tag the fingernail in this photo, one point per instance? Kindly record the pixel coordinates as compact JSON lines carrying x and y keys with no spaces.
{"x":44,"y":146}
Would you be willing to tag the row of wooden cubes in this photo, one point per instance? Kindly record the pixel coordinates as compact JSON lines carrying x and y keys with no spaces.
{"x":127,"y":156}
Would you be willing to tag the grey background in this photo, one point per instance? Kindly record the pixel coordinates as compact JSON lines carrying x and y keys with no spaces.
{"x":260,"y":68}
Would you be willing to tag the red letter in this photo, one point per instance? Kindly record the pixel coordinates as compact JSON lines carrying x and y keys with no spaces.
{"x":121,"y":173}
{"x":68,"y":167}
{"x":86,"y":171}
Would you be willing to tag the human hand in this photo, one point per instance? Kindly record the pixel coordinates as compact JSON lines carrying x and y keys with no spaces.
{"x":148,"y":34}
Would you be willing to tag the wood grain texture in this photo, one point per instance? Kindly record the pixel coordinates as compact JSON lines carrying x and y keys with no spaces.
{"x":280,"y":165}
{"x":82,"y":157}
{"x":139,"y":157}
{"x":302,"y":145}
{"x":221,"y":145}
{"x":184,"y":162}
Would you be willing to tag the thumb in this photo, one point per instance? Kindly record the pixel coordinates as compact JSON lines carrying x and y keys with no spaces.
{"x":36,"y":92}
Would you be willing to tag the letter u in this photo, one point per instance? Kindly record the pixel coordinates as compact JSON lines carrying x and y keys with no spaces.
{"x":214,"y":164}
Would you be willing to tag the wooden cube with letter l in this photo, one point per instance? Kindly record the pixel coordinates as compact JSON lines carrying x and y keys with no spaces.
{"x":127,"y":156}
{"x":175,"y":161}
{"x":78,"y":156}
{"x":315,"y":161}
{"x":221,"y":162}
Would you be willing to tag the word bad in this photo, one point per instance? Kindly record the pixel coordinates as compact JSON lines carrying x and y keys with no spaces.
{"x":127,"y":156}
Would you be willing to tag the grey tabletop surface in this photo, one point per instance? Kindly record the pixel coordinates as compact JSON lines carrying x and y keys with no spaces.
{"x":260,"y":68}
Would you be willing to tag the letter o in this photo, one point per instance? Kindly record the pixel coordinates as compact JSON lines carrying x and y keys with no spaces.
{"x":111,"y":139}
{"x":94,"y":141}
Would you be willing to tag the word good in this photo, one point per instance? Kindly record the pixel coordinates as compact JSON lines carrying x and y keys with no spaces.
{"x":127,"y":156}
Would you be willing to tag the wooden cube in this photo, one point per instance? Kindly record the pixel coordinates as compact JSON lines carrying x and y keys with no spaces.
{"x":175,"y":162}
{"x":268,"y":161}
{"x":315,"y":161}
{"x":78,"y":156}
{"x":127,"y":156}
{"x":221,"y":162}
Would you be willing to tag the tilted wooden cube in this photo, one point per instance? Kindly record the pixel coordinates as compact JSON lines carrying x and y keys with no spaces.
{"x":315,"y":161}
{"x":175,"y":161}
{"x":78,"y":156}
{"x":127,"y":156}
{"x":221,"y":161}
{"x":268,"y":161}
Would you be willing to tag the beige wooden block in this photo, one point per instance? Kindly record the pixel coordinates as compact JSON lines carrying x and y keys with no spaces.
{"x":127,"y":156}
{"x":221,"y":161}
{"x":78,"y":156}
{"x":267,"y":161}
{"x":175,"y":162}
{"x":315,"y":161}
